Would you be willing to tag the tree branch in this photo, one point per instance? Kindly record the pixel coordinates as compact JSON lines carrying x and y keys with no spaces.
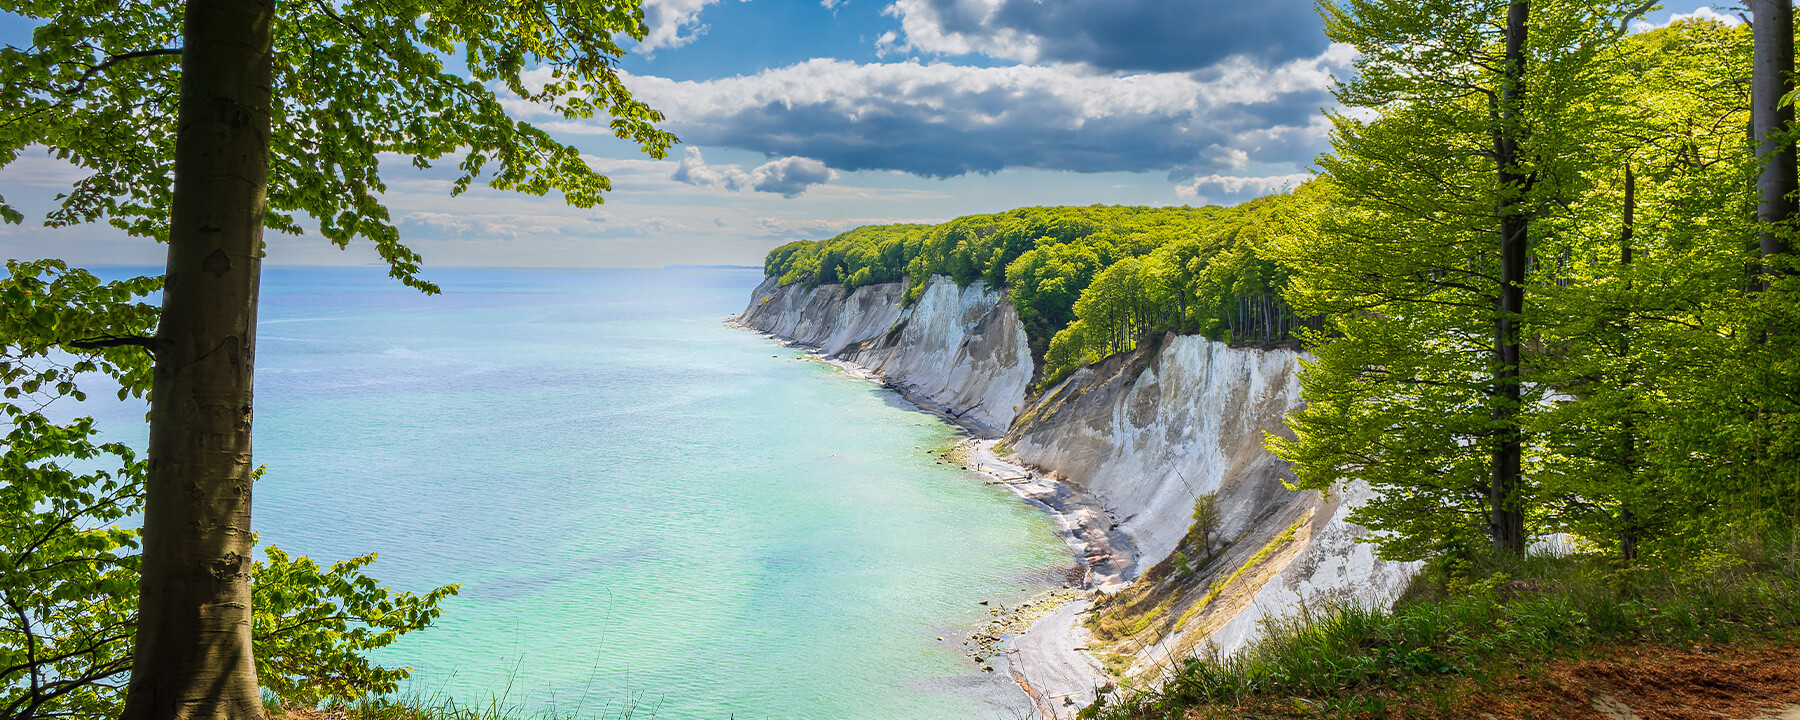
{"x":112,"y":341}
{"x":112,"y":60}
{"x":1625,"y":21}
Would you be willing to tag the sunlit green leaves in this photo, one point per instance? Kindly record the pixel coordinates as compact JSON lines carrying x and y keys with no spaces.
{"x":47,"y":309}
{"x":1406,"y":392}
{"x":68,"y":572}
{"x":314,"y":626}
{"x":356,"y":81}
{"x":1196,"y":265}
{"x":68,"y":548}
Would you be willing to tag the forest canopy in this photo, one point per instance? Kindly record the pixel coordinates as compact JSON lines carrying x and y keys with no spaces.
{"x":1087,"y":281}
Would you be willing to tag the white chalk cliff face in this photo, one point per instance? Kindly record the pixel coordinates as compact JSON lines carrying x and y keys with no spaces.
{"x":961,"y":351}
{"x":1147,"y":432}
{"x":1143,"y":433}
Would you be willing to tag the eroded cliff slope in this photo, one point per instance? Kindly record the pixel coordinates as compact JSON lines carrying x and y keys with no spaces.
{"x":958,"y":350}
{"x":1142,"y":435}
{"x":1149,"y":432}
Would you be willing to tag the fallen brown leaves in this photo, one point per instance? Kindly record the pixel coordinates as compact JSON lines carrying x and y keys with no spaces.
{"x":1650,"y":683}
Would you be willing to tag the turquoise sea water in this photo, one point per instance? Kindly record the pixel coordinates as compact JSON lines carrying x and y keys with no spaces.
{"x":639,"y":502}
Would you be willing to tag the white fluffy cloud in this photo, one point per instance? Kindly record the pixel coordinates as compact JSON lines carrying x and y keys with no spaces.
{"x":1704,"y":13}
{"x":672,"y":23}
{"x":787,"y":177}
{"x":961,"y":27}
{"x":942,"y":120}
{"x":1238,"y":186}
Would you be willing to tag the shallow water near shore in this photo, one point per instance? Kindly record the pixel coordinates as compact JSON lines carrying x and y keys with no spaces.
{"x":642,"y":505}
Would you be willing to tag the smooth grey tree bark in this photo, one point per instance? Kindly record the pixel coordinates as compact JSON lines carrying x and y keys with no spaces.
{"x":1771,"y":78}
{"x":192,"y":658}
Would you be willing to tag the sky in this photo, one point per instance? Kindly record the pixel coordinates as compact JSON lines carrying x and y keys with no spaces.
{"x":799,"y":119}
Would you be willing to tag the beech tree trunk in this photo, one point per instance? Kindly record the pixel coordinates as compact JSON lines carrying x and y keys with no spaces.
{"x":1771,"y":78}
{"x":192,"y":657}
{"x":1515,"y":225}
{"x":1628,"y":532}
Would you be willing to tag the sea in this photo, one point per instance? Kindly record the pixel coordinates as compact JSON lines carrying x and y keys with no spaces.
{"x":650,"y":514}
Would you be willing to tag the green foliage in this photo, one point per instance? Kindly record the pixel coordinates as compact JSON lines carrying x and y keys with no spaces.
{"x":1203,"y":534}
{"x":1087,"y":281}
{"x":1217,"y":281}
{"x":45,"y":306}
{"x":860,"y":256}
{"x":1454,"y":625}
{"x":353,"y":81}
{"x":1661,"y":375}
{"x":1643,"y":336}
{"x":1045,"y":282}
{"x":68,"y":573}
{"x":313,"y":627}
{"x":1405,"y":392}
{"x":68,"y":558}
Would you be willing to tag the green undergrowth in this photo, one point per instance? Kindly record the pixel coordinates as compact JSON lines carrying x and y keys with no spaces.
{"x":421,"y":707}
{"x":1464,"y":627}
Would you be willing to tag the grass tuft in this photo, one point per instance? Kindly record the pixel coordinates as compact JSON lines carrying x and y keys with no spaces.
{"x":434,"y":707}
{"x":1456,"y":632}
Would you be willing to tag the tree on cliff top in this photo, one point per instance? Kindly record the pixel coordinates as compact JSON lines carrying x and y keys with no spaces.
{"x":1438,"y":210}
{"x":202,"y":123}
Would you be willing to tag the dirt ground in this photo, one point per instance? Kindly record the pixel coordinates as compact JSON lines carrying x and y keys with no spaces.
{"x":1653,"y":683}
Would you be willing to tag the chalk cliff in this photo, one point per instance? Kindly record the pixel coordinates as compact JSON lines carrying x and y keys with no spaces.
{"x":1128,"y":444}
{"x":960,"y":351}
{"x":1147,"y":432}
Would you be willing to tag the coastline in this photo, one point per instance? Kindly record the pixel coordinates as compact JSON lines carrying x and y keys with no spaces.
{"x":1048,"y":659}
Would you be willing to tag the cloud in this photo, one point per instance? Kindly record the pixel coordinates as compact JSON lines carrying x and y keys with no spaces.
{"x":787,"y":177}
{"x":832,"y":5}
{"x":942,"y":120}
{"x":1238,"y":186}
{"x":1704,"y":13}
{"x":781,"y":227}
{"x":498,"y":225}
{"x":36,"y":167}
{"x":1112,"y":35}
{"x":667,"y":19}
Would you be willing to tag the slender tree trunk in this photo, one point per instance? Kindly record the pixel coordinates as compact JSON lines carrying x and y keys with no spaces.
{"x":1515,"y":226}
{"x":1753,"y":267}
{"x":192,"y":657}
{"x":1771,"y":78}
{"x":1628,"y":534}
